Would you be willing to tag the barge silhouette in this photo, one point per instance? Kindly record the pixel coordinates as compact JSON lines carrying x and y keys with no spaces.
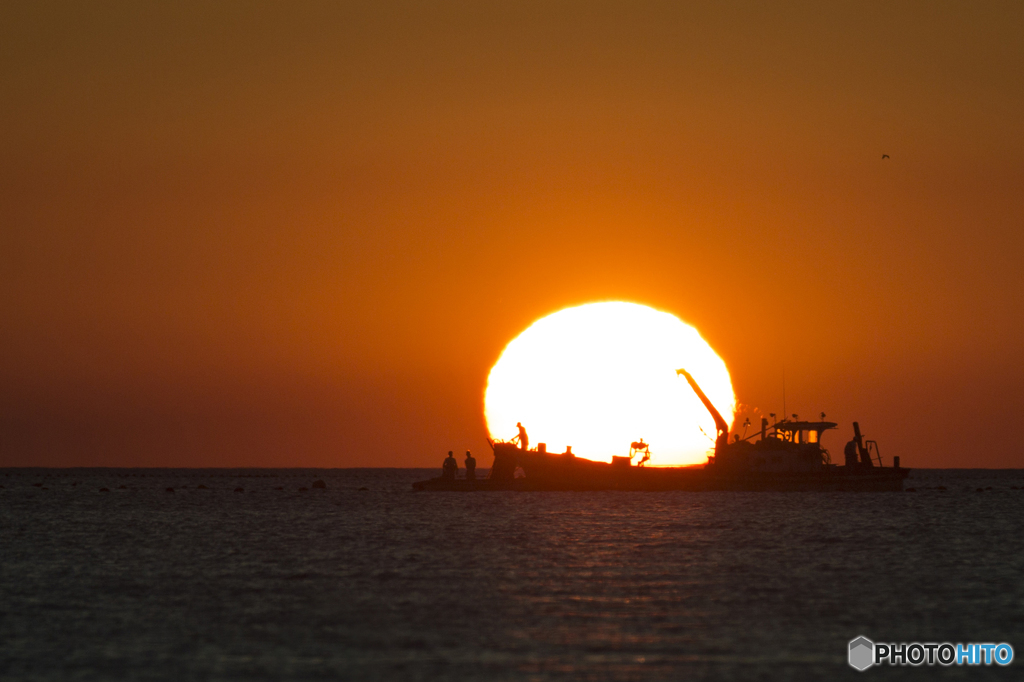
{"x":787,"y":456}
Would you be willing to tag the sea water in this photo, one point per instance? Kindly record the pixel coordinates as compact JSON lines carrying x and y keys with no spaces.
{"x":367,"y":580}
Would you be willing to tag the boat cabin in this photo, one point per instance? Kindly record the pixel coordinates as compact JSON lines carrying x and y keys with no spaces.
{"x":788,"y":447}
{"x":800,"y":432}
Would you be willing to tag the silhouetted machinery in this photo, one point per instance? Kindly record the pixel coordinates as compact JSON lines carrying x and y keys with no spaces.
{"x":865,"y":448}
{"x":722,"y":428}
{"x":637,"y":447}
{"x":792,"y":445}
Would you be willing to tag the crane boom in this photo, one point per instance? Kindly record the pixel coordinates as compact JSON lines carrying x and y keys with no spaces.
{"x":723,"y":428}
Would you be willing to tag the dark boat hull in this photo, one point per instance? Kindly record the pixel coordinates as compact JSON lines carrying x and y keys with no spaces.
{"x":558,"y":472}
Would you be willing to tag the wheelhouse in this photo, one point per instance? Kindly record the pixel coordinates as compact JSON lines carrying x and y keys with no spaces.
{"x":800,"y":432}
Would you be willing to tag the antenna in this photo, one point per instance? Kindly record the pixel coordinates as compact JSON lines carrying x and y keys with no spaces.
{"x":783,"y":390}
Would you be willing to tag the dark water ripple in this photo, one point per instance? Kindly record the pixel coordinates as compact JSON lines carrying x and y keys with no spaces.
{"x":211,"y":584}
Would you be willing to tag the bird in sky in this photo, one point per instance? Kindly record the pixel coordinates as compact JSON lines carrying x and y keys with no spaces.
{"x":885,"y":156}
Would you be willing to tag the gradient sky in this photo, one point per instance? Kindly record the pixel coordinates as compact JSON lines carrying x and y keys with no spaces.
{"x":299,"y":234}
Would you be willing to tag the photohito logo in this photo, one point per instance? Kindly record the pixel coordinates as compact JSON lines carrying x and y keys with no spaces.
{"x":864,"y":653}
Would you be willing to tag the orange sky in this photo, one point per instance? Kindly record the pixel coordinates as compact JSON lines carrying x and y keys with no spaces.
{"x":299,"y":234}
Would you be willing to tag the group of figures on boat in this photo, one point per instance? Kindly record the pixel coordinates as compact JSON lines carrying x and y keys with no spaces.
{"x":450,"y":468}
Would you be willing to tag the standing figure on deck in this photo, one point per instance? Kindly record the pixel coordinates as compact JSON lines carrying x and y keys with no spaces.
{"x":450,"y":467}
{"x":524,"y":440}
{"x":470,"y":467}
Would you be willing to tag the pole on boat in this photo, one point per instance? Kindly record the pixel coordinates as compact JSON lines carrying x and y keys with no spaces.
{"x":865,"y":456}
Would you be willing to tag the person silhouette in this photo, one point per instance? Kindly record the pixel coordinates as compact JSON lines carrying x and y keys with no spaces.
{"x":470,"y":466}
{"x":450,"y":468}
{"x":524,"y":440}
{"x":850,"y":451}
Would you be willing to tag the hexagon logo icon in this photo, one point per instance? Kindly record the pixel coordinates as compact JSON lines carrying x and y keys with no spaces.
{"x":862,"y":653}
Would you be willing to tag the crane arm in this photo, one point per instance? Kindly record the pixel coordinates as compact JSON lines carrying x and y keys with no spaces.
{"x":723,"y":428}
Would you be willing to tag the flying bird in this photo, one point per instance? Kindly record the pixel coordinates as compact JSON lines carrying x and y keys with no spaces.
{"x":885,"y":156}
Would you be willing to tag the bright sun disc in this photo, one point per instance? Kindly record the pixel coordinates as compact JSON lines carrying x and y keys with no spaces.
{"x":600,"y":376}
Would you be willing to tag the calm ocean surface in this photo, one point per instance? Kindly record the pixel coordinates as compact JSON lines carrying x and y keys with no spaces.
{"x":385,"y":584}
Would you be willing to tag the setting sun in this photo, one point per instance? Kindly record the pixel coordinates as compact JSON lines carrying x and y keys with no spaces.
{"x":600,"y":376}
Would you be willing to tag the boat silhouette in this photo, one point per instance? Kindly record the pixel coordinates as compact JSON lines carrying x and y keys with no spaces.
{"x":784,"y":456}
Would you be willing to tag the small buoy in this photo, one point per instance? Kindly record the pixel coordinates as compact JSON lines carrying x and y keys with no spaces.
{"x":911,"y":490}
{"x":302,"y":490}
{"x":239,"y":490}
{"x":202,"y":487}
{"x":104,"y":490}
{"x":37,"y":485}
{"x":979,"y":490}
{"x":364,"y":488}
{"x":122,"y":487}
{"x":170,"y":490}
{"x":280,"y":487}
{"x":319,"y":484}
